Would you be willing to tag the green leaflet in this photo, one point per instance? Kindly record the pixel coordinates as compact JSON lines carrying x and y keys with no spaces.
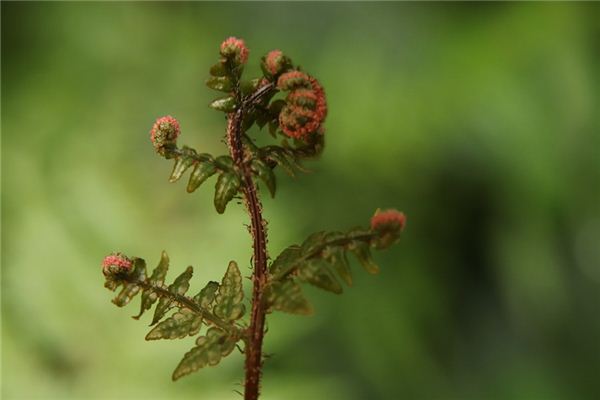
{"x":221,"y":83}
{"x":283,"y":158}
{"x":276,"y":106}
{"x":149,"y":297}
{"x":209,"y":350}
{"x":313,"y":242}
{"x":182,"y":282}
{"x":181,"y":324}
{"x":287,"y":296}
{"x":178,"y":287}
{"x":363,"y":254}
{"x":264,"y":172}
{"x":249,"y":86}
{"x":285,"y":259}
{"x":227,"y":186}
{"x":273,"y":128}
{"x":225,"y":104}
{"x":126,"y":294}
{"x":202,"y":171}
{"x":218,"y":70}
{"x":229,"y":297}
{"x":206,"y":297}
{"x":316,"y":272}
{"x":337,"y":258}
{"x":130,"y":289}
{"x":182,"y":163}
{"x":322,"y":261}
{"x":225,"y":163}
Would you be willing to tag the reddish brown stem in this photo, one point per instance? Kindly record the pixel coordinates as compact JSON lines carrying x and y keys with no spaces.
{"x":259,"y":236}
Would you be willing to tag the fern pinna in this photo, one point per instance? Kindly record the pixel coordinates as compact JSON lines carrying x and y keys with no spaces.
{"x":292,"y":105}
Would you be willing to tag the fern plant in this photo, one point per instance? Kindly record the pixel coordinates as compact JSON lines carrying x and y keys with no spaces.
{"x":292,"y":105}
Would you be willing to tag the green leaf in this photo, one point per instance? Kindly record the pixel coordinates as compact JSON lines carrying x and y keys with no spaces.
{"x":149,"y":296}
{"x":226,"y":104}
{"x":294,"y":162}
{"x":182,"y":282}
{"x":273,"y":127}
{"x":285,"y":159}
{"x":337,"y":258}
{"x":316,"y":272}
{"x":218,"y":69}
{"x":126,"y":294}
{"x":225,"y":163}
{"x":363,"y":254}
{"x":230,"y":295}
{"x":276,"y":106}
{"x":130,"y":289}
{"x":202,"y":171}
{"x":209,"y":350}
{"x":220,"y":83}
{"x":263,"y":117}
{"x":227,"y":186}
{"x":262,"y":170}
{"x":181,"y":324}
{"x":205,"y":298}
{"x":178,"y":287}
{"x":287,"y":296}
{"x":250,"y":86}
{"x":181,"y":165}
{"x":285,"y":259}
{"x":313,"y":242}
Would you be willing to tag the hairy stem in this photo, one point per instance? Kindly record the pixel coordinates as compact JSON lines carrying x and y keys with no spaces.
{"x":256,"y":330}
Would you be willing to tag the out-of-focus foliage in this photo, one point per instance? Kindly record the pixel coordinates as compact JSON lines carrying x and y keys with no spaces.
{"x":479,"y":121}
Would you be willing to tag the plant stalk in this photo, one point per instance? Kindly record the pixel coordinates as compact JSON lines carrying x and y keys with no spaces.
{"x":254,"y":341}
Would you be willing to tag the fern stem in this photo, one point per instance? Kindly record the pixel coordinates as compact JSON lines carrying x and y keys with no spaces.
{"x":254,"y":340}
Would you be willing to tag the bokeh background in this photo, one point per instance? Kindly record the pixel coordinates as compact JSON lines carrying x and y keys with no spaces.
{"x":480,"y":121}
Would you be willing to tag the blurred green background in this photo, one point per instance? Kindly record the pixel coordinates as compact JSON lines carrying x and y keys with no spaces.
{"x":480,"y":121}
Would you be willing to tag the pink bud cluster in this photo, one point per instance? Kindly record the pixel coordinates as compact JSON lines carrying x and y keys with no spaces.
{"x":116,"y":263}
{"x":306,"y":106}
{"x":236,"y":48}
{"x":275,"y":63}
{"x":164,"y":132}
{"x":388,"y":219}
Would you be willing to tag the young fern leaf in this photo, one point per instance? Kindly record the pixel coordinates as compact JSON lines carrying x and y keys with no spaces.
{"x":220,"y":83}
{"x":338,"y":259}
{"x":226,"y":188}
{"x":215,"y":305}
{"x":317,"y":272}
{"x":287,"y":296}
{"x":149,"y":296}
{"x":209,"y":350}
{"x":182,"y":163}
{"x":321,"y":260}
{"x":178,"y":288}
{"x":320,"y":257}
{"x":206,"y":297}
{"x":181,"y":324}
{"x":131,"y":288}
{"x":228,"y":301}
{"x":265,"y":173}
{"x":217,"y":343}
{"x":202,"y":171}
{"x":203,"y":166}
{"x":225,"y":104}
{"x":282,"y":157}
{"x":362,"y":252}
